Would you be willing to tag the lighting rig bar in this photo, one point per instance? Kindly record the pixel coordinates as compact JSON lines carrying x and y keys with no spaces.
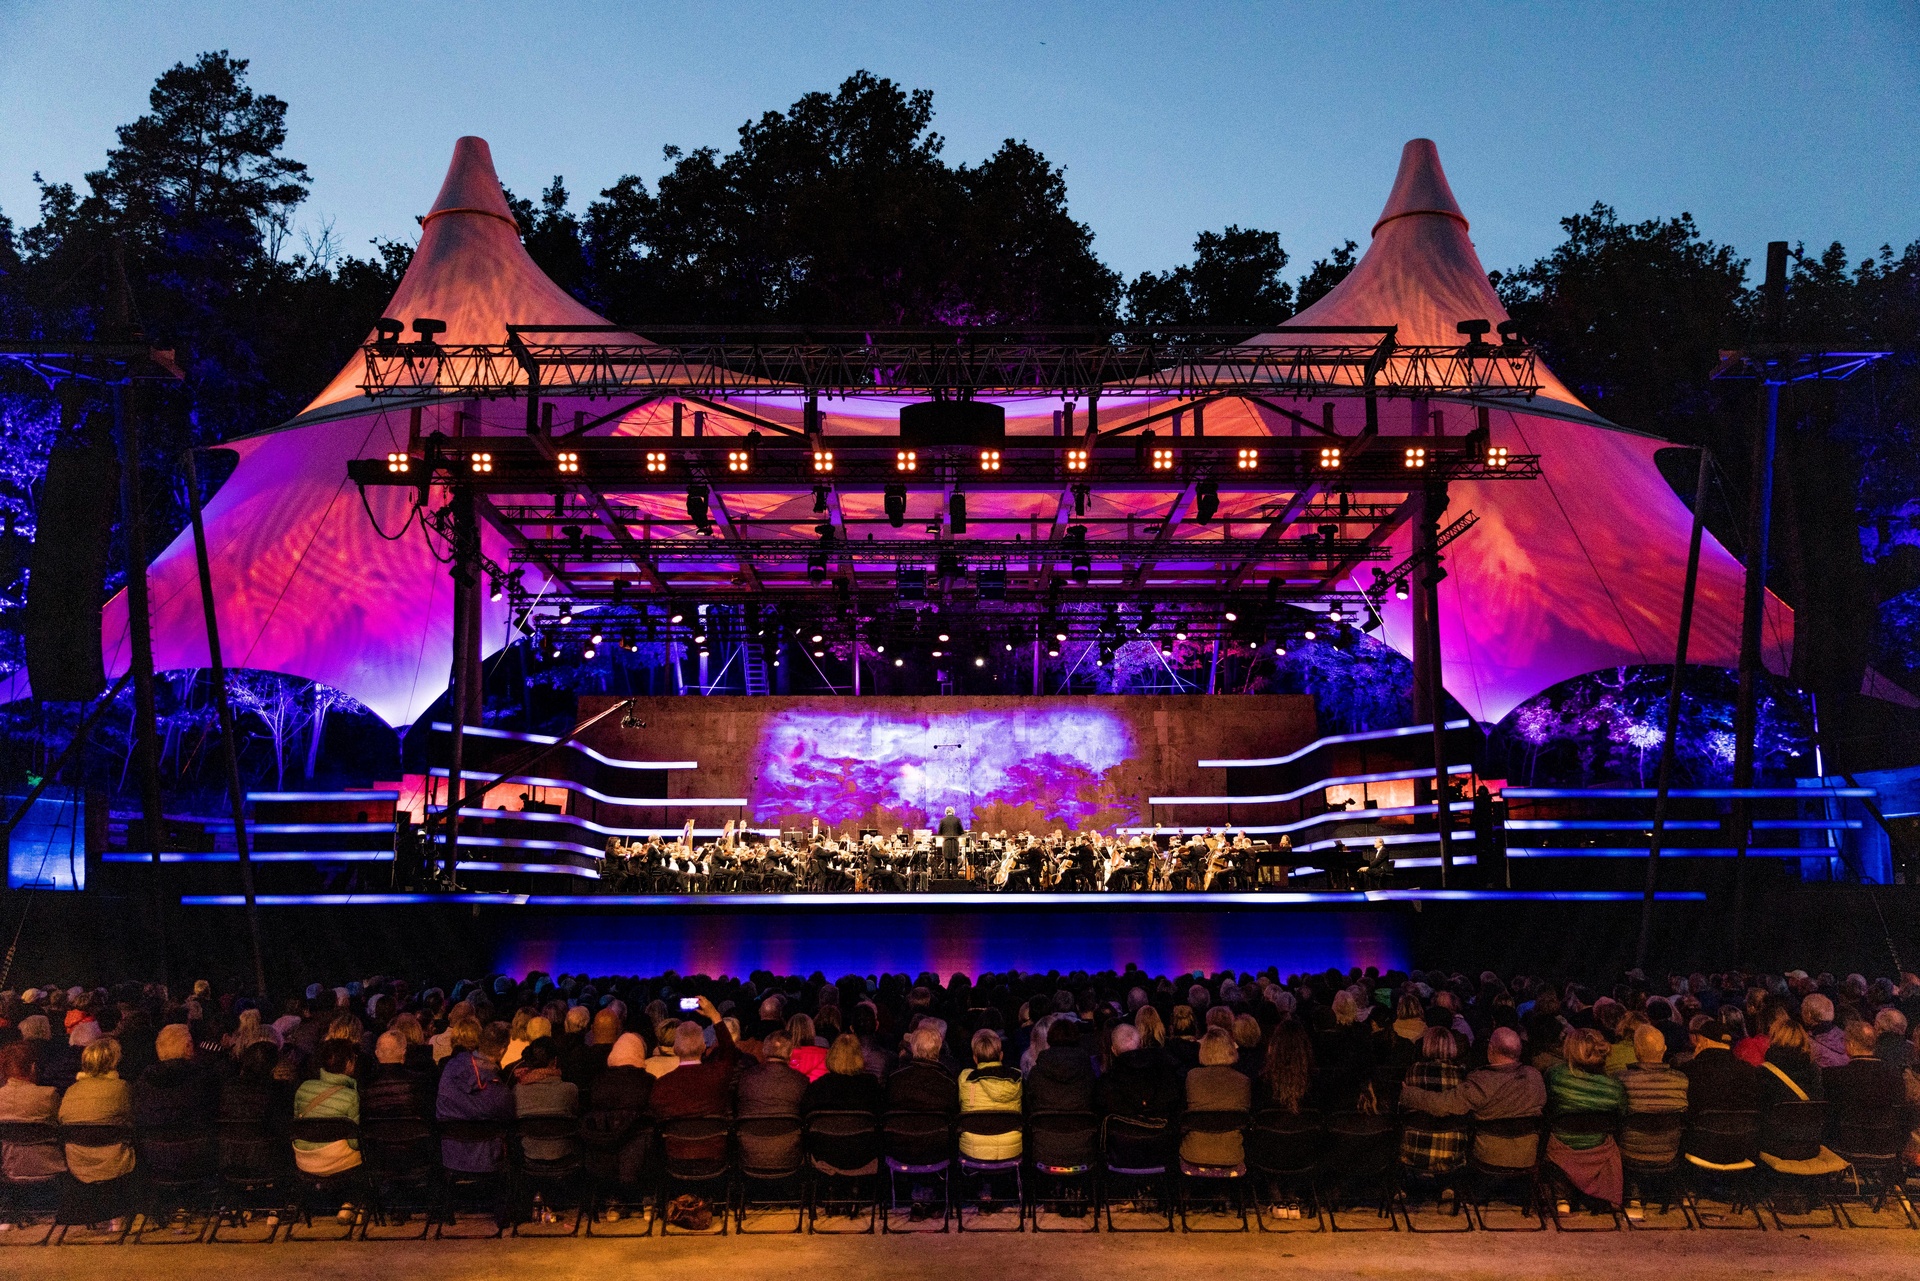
{"x":1309,"y":547}
{"x":605,"y":361}
{"x":663,"y":464}
{"x":108,"y":363}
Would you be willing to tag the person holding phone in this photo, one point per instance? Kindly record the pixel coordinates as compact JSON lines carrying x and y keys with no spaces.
{"x":702,"y":1084}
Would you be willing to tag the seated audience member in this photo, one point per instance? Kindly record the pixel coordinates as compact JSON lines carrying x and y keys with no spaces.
{"x":661,"y":1059}
{"x":1788,"y":1072}
{"x":1343,"y":1055}
{"x":394,"y":1091}
{"x":1717,"y":1080}
{"x":23,"y":1101}
{"x":698,"y":1087}
{"x":1652,"y":1086}
{"x":99,"y":1097}
{"x":1890,"y":1039}
{"x":1427,"y":1148}
{"x":847,"y":1085}
{"x":583,"y":1058}
{"x":809,"y":1056}
{"x":1286,"y":1071}
{"x":922,"y":1083}
{"x":332,"y":1095}
{"x":1864,"y":1093}
{"x":989,"y":1086}
{"x":1139,"y":1082}
{"x":1216,"y":1086}
{"x":1590,"y":1162}
{"x":173,"y":1091}
{"x":1062,"y":1075}
{"x":770,"y":1087}
{"x":1827,"y":1041}
{"x":472,"y":1089}
{"x":538,"y":1090}
{"x":617,"y":1109}
{"x":1504,"y":1090}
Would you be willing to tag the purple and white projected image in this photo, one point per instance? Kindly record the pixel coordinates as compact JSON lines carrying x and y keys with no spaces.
{"x":1033,"y":770}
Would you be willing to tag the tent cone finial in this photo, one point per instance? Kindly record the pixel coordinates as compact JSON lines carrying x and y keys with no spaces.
{"x":1420,"y":187}
{"x":471,"y":185}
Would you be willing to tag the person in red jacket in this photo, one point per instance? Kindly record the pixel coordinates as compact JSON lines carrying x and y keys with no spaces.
{"x":702,"y":1085}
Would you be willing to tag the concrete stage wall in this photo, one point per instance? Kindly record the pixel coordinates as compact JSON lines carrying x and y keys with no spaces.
{"x":1003,"y":762}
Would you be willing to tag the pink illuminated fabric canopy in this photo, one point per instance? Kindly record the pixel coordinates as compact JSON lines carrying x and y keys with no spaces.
{"x":1579,"y":571}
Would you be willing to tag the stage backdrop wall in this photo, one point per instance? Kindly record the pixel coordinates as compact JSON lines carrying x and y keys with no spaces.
{"x":1002,"y":762}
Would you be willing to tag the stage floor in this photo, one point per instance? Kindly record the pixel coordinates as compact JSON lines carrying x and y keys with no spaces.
{"x":976,"y":902}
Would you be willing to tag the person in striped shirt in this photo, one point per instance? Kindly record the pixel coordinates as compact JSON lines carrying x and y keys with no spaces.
{"x":1652,"y":1086}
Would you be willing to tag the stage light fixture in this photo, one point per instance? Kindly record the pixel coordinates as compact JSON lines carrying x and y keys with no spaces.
{"x":1329,"y":459}
{"x":597,"y":637}
{"x":1179,"y":636}
{"x":1336,"y":615}
{"x":588,"y":652}
{"x":1232,"y":617}
{"x":1415,"y":457}
{"x":567,"y":461}
{"x":1053,"y":653}
{"x":1083,"y":569}
{"x":1160,"y":458}
{"x":939,"y":654}
{"x":1247,"y":459}
{"x":496,"y":591}
{"x":989,"y":460}
{"x":1206,"y":501}
{"x":1309,"y":634}
{"x":398,"y":463}
{"x":819,"y":653}
{"x":879,"y":649}
{"x":820,"y":499}
{"x":906,"y":460}
{"x":1060,"y":636}
{"x":1078,"y":459}
{"x":656,"y":462}
{"x":1497,"y":457}
{"x":957,"y":512}
{"x":823,"y":460}
{"x":944,"y":638}
{"x":480,"y":462}
{"x":895,"y":501}
{"x":738,"y":460}
{"x":1080,"y":494}
{"x":1009,"y":647}
{"x":1279,"y":650}
{"x":899,"y":662}
{"x":1400,"y":591}
{"x":979,"y":661}
{"x":566,"y":615}
{"x":698,"y":640}
{"x":816,"y":638}
{"x":676,"y":618}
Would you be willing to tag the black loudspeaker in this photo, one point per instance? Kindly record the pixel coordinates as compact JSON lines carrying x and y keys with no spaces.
{"x":67,"y":572}
{"x":953,"y":422}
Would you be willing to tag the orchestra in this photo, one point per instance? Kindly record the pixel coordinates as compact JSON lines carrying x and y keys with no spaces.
{"x":742,"y":861}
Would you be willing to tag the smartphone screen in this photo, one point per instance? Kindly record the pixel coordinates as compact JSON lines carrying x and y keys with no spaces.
{"x":689,"y":1002}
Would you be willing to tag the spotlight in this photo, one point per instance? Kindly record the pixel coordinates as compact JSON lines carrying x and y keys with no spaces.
{"x":588,"y":652}
{"x":1400,"y":591}
{"x":1497,"y":457}
{"x":1077,"y":459}
{"x":823,"y":460}
{"x":656,"y":462}
{"x":899,"y":662}
{"x":598,"y":637}
{"x":1080,"y":493}
{"x":1279,"y":650}
{"x":676,"y":618}
{"x":815,"y":638}
{"x":944,"y":638}
{"x":1083,"y":569}
{"x":497,"y":592}
{"x":567,"y":461}
{"x":1248,"y":459}
{"x":566,"y":615}
{"x":739,"y":460}
{"x":1335,"y":615}
{"x":1206,"y":501}
{"x":979,"y":662}
{"x":1329,"y":459}
{"x":906,"y":460}
{"x":704,"y":654}
{"x":1415,"y":457}
{"x":819,"y":653}
{"x":1179,"y":636}
{"x":1309,"y":634}
{"x":819,"y":499}
{"x":398,"y":463}
{"x":896,"y":505}
{"x":1060,"y":636}
{"x":1009,"y":647}
{"x":701,"y":639}
{"x":1160,"y":458}
{"x":1232,"y":617}
{"x":1053,"y":653}
{"x":989,"y":460}
{"x":938,"y":654}
{"x":480,"y":462}
{"x":957,"y":512}
{"x":697,"y":510}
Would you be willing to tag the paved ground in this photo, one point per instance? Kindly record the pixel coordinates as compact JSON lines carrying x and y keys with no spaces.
{"x":1855,"y":1255}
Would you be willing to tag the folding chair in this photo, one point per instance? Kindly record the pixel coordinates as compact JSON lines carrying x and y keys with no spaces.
{"x":1063,"y":1150}
{"x":844,"y":1146}
{"x":254,"y":1165}
{"x":332,"y":1192}
{"x":1642,"y":1136}
{"x":1139,"y":1149}
{"x":1798,"y":1163}
{"x":1879,"y":1174}
{"x":1487,"y":1176}
{"x":1721,"y":1151}
{"x":769,"y":1154}
{"x":1283,"y":1153}
{"x":1457,"y":1130}
{"x":402,"y":1161}
{"x":1363,"y":1151}
{"x":83,"y":1204}
{"x":550,"y":1181}
{"x":25,"y":1199}
{"x":992,"y":1125}
{"x":177,"y":1166}
{"x":1228,"y":1182}
{"x":694,"y":1156}
{"x":616,"y":1148}
{"x":494,"y":1186}
{"x":917,"y":1145}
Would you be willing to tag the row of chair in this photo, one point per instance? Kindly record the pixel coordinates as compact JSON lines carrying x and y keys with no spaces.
{"x":905,"y":1171}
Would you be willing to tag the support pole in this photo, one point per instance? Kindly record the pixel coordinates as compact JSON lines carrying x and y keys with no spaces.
{"x":1667,"y":744}
{"x":236,"y":799}
{"x":1428,"y":536}
{"x":465,"y":574}
{"x":1746,"y":715}
{"x":140,"y":631}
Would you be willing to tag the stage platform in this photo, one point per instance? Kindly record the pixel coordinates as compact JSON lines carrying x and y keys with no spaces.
{"x":1009,"y":901}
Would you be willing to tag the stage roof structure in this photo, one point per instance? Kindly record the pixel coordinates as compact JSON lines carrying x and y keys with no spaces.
{"x":1567,"y":545}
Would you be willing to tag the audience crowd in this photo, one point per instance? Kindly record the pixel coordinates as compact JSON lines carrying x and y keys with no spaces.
{"x":1423,"y":1045}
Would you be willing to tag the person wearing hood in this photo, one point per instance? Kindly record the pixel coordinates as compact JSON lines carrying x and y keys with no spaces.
{"x":1062,"y":1075}
{"x":616,"y":1112}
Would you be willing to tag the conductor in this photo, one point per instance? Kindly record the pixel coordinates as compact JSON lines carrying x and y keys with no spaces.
{"x":950,"y":833}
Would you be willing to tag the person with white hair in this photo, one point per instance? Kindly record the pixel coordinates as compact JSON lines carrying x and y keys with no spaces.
{"x":1505,"y":1089}
{"x":1829,"y":1039}
{"x":923,"y":1083}
{"x":1890,"y":1039}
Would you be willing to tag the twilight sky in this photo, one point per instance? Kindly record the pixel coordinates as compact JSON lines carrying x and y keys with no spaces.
{"x":1765,"y":120}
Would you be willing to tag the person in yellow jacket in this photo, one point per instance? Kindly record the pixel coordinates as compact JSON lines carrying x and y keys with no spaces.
{"x":990,"y":1086}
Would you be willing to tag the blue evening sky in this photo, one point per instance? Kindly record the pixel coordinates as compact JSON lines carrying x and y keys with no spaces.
{"x":1766,"y":121}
